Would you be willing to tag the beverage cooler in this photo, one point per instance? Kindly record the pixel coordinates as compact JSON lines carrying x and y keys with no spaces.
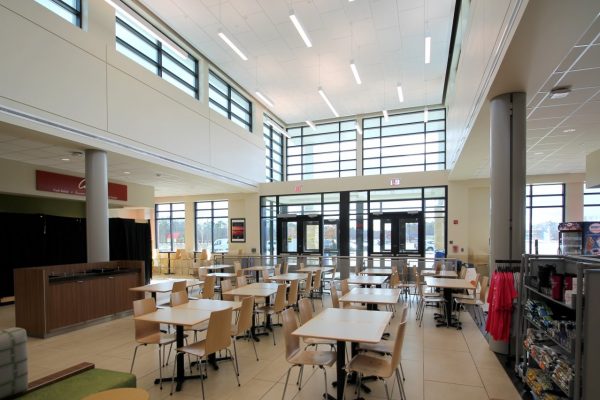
{"x":579,"y":238}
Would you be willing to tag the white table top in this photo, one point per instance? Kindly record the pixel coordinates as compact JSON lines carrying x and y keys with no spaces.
{"x":255,"y":289}
{"x":315,"y":269}
{"x":372,"y":296}
{"x":210,"y":305}
{"x":223,"y":274}
{"x":165,"y":286}
{"x":440,"y":274}
{"x":448,"y":283}
{"x":258,"y":268}
{"x":217,"y":267}
{"x":346,"y":325}
{"x":290,"y":276}
{"x":176,"y":316}
{"x":367,"y":279}
{"x":376,"y":271}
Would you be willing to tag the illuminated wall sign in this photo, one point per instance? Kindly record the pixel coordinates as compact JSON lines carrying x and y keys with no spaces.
{"x":67,"y":184}
{"x":395,"y":182}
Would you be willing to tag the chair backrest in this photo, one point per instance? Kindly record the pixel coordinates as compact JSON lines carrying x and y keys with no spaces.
{"x":266,"y":276}
{"x":290,"y":324}
{"x":279,"y":304}
{"x":226,"y":286}
{"x":397,"y":352}
{"x":237,"y":266}
{"x":145,"y":328}
{"x":179,"y":286}
{"x":241,"y":281}
{"x":208,"y":289}
{"x":293,"y":293}
{"x":475,"y":283}
{"x":335,"y":300}
{"x":463,"y":273}
{"x":218,"y":334}
{"x":277,"y":269}
{"x":471,"y":274}
{"x":178,"y":298}
{"x":484,"y":288}
{"x":318,"y":280}
{"x":309,"y":282}
{"x":202,"y":272}
{"x":284,"y":268}
{"x":345,"y":286}
{"x":301,"y":265}
{"x":305,"y":310}
{"x":246,"y":313}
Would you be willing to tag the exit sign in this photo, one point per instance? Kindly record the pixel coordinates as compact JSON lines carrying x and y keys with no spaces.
{"x":395,"y":182}
{"x":298,"y":188}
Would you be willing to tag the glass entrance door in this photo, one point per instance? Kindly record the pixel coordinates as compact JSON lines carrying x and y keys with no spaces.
{"x":397,"y":234}
{"x":299,"y":234}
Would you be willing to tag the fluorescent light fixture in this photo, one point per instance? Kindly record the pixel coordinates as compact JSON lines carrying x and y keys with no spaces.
{"x":233,"y":46}
{"x":427,"y":49}
{"x":264,"y":99}
{"x":312,"y":125}
{"x":386,"y":117}
{"x":569,"y":130}
{"x":358,"y":129}
{"x":300,"y":30}
{"x":65,"y":159}
{"x":560,"y":93}
{"x":150,"y":30}
{"x":355,"y":72}
{"x":400,"y":94}
{"x":426,"y":115}
{"x":324,"y":96}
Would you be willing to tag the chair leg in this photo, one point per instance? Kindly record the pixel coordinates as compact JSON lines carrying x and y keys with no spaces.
{"x":325,"y":374}
{"x":173,"y":375}
{"x":287,"y":378}
{"x":202,"y":378}
{"x":402,"y":371}
{"x":300,"y":376}
{"x":400,"y":385}
{"x":134,"y":354}
{"x":387,"y":392}
{"x":236,"y":371}
{"x":236,"y":363}
{"x":251,"y":338}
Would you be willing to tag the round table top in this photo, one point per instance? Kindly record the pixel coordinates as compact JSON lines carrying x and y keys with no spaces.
{"x":120,"y":394}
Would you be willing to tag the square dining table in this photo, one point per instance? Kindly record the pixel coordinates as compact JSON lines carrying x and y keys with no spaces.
{"x":323,"y":270}
{"x":342,"y":325}
{"x":372,"y":296}
{"x":258,"y":270}
{"x":448,"y":285}
{"x":164,"y":286}
{"x":179,"y":317}
{"x":290,"y":276}
{"x":439,"y":274}
{"x":376,"y":271}
{"x":367,"y":280}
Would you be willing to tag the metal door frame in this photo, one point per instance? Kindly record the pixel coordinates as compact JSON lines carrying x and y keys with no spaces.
{"x":396,"y":218}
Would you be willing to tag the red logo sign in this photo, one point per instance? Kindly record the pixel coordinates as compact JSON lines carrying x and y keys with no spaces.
{"x":66,"y":184}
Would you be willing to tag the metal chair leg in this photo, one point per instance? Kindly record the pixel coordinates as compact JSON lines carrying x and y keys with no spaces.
{"x":387,"y":392}
{"x":134,"y":354}
{"x":236,"y":371}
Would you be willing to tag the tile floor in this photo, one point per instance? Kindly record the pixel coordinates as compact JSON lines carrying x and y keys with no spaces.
{"x":439,"y":363}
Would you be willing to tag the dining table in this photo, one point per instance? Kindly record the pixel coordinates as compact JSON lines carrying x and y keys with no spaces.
{"x":345,"y":325}
{"x":258,"y":269}
{"x":288,"y":277}
{"x":179,"y":317}
{"x":367,"y":280}
{"x":372,"y":297}
{"x":164,"y":286}
{"x":448,"y":285}
{"x":438,"y":274}
{"x":314,"y":269}
{"x":376,"y":271}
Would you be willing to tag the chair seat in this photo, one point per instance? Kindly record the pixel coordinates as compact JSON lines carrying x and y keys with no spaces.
{"x":268,"y":309}
{"x":313,"y":358}
{"x":384,"y":347}
{"x":314,"y":341}
{"x":462,"y":296}
{"x":472,"y":302}
{"x":430,"y":294}
{"x":197,"y":349}
{"x":157,"y":338}
{"x":434,"y":299}
{"x":368,"y":365}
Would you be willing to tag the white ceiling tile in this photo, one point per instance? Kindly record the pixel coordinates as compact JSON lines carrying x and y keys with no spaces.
{"x":582,"y":78}
{"x":553,"y":111}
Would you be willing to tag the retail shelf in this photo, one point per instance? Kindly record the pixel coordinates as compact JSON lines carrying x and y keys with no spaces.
{"x":549,"y":374}
{"x":562,"y":303}
{"x":562,"y":346}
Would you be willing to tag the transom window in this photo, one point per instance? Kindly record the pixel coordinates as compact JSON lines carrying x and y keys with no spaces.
{"x":170,"y":226}
{"x":67,"y":9}
{"x":544,"y":211}
{"x":591,"y":204}
{"x":150,"y":53}
{"x":404,"y":143}
{"x":211,"y":226}
{"x":328,"y":152}
{"x":228,"y":102}
{"x":273,"y":136}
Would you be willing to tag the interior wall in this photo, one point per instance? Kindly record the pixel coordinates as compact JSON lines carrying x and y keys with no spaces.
{"x":42,"y":205}
{"x":85,"y":84}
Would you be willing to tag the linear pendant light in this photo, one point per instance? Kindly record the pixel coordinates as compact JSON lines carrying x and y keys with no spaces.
{"x":312,"y":125}
{"x":300,"y":29}
{"x":400,"y":94}
{"x":233,"y":46}
{"x":324,"y":96}
{"x":355,"y":72}
{"x":386,"y":117}
{"x":150,"y":30}
{"x":264,"y":98}
{"x":428,"y":50}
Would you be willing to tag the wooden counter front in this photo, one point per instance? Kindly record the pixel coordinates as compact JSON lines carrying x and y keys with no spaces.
{"x":55,"y":297}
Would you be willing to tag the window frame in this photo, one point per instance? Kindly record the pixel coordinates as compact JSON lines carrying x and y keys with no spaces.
{"x":161,"y":69}
{"x":212,"y":219}
{"x":271,"y":147}
{"x":586,"y":202}
{"x":75,"y":12}
{"x":229,"y":98}
{"x":170,"y":219}
{"x":529,"y":209}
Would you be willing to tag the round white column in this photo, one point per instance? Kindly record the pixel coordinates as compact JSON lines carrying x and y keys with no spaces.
{"x":96,"y":208}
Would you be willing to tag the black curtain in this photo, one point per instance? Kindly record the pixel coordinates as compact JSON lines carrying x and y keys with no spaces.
{"x":130,"y":240}
{"x":31,"y":240}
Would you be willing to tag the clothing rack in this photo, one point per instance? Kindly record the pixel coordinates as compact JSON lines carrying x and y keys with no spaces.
{"x":508,"y":265}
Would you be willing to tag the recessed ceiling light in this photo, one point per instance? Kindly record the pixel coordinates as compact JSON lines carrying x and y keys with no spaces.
{"x":65,"y":159}
{"x":233,"y":46}
{"x":539,"y":153}
{"x":264,"y":98}
{"x":312,"y":125}
{"x":355,"y":72}
{"x":300,"y":30}
{"x":386,"y":116}
{"x":326,"y":99}
{"x":126,"y":172}
{"x":426,"y":115}
{"x":569,"y":130}
{"x":560,"y":92}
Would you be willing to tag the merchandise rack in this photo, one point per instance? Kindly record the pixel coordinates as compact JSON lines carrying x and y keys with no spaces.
{"x":586,"y":319}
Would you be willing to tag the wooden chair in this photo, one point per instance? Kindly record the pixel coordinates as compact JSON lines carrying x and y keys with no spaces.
{"x":181,"y":297}
{"x":425,"y":299}
{"x":307,"y":288}
{"x":292,"y":298}
{"x":329,"y":277}
{"x":364,"y":364}
{"x":284,"y":268}
{"x":335,"y":299}
{"x":265,"y":276}
{"x":149,"y":332}
{"x":276,"y":309}
{"x":218,"y":338}
{"x":317,"y":290}
{"x":477,"y":303}
{"x":298,"y":357}
{"x":306,"y":314}
{"x":344,"y":286}
{"x":386,"y":347}
{"x":241,"y":281}
{"x":243,"y":327}
{"x":226,"y":286}
{"x":208,"y":289}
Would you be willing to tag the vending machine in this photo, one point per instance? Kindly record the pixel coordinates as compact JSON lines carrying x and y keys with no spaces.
{"x":579,"y":238}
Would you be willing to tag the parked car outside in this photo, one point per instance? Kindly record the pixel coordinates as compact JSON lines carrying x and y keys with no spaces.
{"x":221,"y":246}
